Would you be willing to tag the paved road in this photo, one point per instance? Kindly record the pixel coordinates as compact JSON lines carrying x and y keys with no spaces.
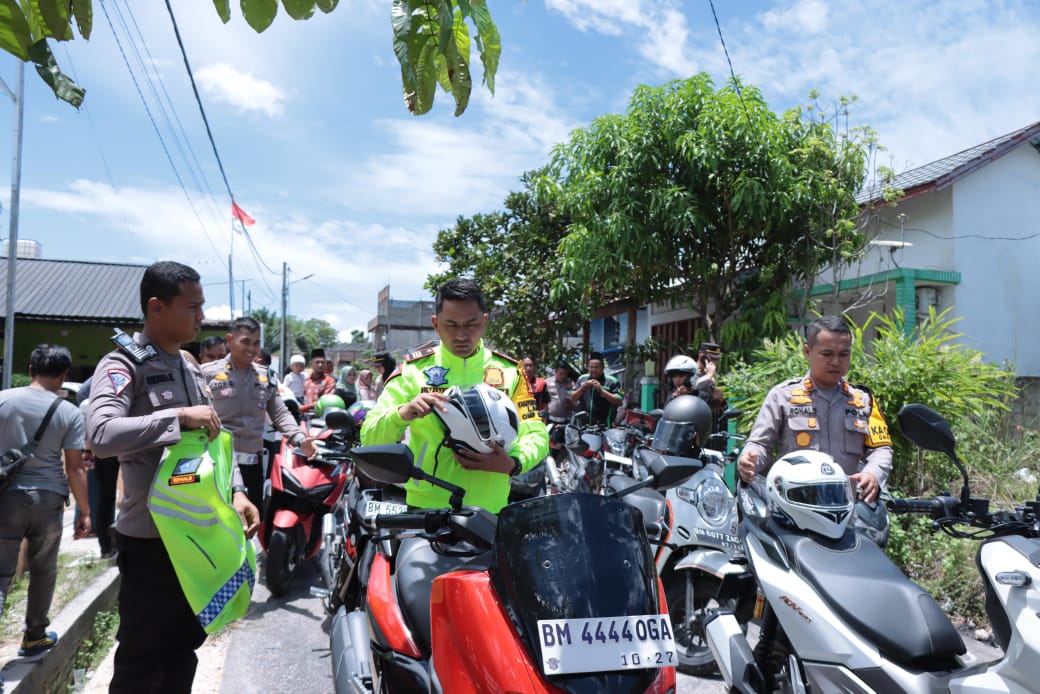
{"x":282,"y":645}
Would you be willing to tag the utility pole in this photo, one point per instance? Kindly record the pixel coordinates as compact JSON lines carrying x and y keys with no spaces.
{"x":231,"y":287}
{"x":12,"y":238}
{"x":249,"y":294}
{"x":243,"y":305}
{"x":283,"y":356}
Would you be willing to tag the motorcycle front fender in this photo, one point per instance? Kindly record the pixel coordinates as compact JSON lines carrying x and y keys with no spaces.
{"x":710,"y":561}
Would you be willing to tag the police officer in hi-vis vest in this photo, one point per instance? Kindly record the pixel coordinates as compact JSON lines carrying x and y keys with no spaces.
{"x":143,"y":395}
{"x":823,"y":412}
{"x":242,"y":395}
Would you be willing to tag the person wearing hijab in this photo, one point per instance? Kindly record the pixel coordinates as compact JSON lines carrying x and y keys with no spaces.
{"x":365,"y":389}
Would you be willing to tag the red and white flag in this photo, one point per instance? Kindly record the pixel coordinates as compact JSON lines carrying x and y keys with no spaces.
{"x":240,"y":214}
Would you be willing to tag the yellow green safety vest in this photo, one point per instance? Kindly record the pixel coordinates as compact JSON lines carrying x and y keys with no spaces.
{"x":190,"y":502}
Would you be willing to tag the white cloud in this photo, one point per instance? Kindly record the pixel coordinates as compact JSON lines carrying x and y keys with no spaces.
{"x":659,"y":26}
{"x":442,"y":169}
{"x":800,"y":16}
{"x":227,"y":84}
{"x":350,"y":262}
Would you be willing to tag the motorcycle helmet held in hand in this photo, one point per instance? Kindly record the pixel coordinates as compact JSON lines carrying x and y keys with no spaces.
{"x":680,"y":363}
{"x":809,"y":491}
{"x":684,"y":427}
{"x":327,"y":402}
{"x":476,"y":416}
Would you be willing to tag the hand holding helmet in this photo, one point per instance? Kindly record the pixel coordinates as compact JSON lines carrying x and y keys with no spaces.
{"x":422,"y":405}
{"x":480,"y":426}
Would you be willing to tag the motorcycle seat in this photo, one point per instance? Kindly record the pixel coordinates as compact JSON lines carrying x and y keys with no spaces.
{"x":875,"y":598}
{"x":417,"y":565}
{"x":650,"y":502}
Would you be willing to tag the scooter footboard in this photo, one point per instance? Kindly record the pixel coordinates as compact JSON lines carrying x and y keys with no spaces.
{"x":351,"y":658}
{"x":733,"y":654}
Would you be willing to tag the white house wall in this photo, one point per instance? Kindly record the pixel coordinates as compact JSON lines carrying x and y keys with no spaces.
{"x":1000,"y":283}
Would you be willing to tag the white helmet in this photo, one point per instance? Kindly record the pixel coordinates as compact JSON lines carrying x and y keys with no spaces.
{"x":681,"y":363}
{"x":808,"y":490}
{"x":478,"y":415}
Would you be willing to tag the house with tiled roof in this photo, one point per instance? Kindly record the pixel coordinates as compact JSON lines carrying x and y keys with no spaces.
{"x":76,"y":304}
{"x":964,"y":232}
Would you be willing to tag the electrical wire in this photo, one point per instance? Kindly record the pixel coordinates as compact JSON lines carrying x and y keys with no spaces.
{"x":732,"y":74}
{"x":155,"y":126}
{"x":201,"y":180}
{"x":209,"y":134}
{"x":962,"y":236}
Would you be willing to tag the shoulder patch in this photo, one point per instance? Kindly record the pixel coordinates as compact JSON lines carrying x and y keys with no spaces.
{"x":419,"y":354}
{"x":503,"y":355}
{"x":120,"y":379}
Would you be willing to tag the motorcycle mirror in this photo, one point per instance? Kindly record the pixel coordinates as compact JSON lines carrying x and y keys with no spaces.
{"x":926,"y":429}
{"x":732,"y":413}
{"x":668,"y":470}
{"x":337,"y":418}
{"x":390,"y":463}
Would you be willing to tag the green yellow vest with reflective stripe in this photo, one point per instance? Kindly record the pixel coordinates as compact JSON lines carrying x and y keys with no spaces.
{"x":190,"y":502}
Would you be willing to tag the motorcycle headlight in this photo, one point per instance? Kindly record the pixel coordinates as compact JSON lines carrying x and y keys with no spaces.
{"x":713,"y":500}
{"x":615,"y":439}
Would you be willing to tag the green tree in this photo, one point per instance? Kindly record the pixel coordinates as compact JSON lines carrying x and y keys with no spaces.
{"x":431,"y":39}
{"x":704,"y":197}
{"x":304,"y":334}
{"x":512,"y":254}
{"x":358,"y":337}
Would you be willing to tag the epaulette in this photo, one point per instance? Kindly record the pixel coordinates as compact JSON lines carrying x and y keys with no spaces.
{"x":419,"y":354}
{"x":505,"y":356}
{"x":865,"y":389}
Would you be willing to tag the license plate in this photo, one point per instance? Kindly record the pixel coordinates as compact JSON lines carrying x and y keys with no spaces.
{"x":610,"y":643}
{"x":383,"y":508}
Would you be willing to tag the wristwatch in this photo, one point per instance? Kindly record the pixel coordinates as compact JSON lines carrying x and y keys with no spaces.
{"x":239,"y":488}
{"x":517,"y":467}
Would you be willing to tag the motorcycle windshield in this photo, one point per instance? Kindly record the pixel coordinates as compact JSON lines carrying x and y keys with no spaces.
{"x":570,"y":556}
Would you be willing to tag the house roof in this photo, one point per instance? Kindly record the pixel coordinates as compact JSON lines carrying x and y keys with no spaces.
{"x":944,"y":172}
{"x":74,"y":290}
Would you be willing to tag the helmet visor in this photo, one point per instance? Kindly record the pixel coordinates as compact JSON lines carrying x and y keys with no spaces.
{"x":826,"y":494}
{"x":674,"y":438}
{"x":478,"y":414}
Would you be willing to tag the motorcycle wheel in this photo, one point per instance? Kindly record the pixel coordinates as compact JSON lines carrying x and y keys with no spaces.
{"x":282,"y":559}
{"x":695,"y":657}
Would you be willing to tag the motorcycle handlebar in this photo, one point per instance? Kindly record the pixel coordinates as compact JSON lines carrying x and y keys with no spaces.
{"x":401,"y":521}
{"x":933,"y":507}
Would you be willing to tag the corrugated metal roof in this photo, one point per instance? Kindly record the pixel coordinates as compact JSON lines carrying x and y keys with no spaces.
{"x":941,"y":173}
{"x":74,"y":290}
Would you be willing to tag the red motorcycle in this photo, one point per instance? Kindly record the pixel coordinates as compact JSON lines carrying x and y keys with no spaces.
{"x":298,"y":495}
{"x":556,"y":594}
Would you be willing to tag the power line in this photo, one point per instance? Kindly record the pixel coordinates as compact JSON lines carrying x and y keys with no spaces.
{"x":209,"y":134}
{"x":962,"y":236}
{"x":201,"y":181}
{"x":732,"y":74}
{"x":155,"y":126}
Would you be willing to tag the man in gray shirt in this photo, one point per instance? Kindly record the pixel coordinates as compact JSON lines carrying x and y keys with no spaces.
{"x":33,"y":504}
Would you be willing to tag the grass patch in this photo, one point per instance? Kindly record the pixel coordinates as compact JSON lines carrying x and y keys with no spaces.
{"x":74,"y":573}
{"x":96,"y":646}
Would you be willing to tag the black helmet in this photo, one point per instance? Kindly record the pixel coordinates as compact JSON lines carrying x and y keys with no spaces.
{"x":684,"y":427}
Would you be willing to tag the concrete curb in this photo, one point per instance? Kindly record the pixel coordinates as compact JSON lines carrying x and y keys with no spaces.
{"x":49,"y":672}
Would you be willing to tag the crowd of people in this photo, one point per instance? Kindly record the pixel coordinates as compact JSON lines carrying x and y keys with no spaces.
{"x":149,"y":390}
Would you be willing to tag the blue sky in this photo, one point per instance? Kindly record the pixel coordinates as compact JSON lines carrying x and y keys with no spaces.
{"x":346,"y":185}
